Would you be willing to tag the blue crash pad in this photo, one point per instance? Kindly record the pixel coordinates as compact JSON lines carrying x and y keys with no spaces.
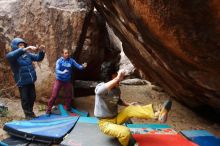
{"x":64,"y":112}
{"x":48,"y":129}
{"x":3,"y":144}
{"x":16,"y":141}
{"x":196,"y":133}
{"x":80,"y":113}
{"x":202,"y":137}
{"x":90,"y":120}
{"x":207,"y":141}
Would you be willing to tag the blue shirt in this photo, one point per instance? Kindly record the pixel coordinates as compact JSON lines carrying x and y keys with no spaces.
{"x":67,"y":64}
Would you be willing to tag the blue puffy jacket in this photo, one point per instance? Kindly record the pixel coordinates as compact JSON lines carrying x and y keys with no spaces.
{"x":21,"y":63}
{"x":67,"y":64}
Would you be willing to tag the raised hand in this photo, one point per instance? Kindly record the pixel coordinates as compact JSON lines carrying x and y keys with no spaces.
{"x":41,"y":48}
{"x":121,"y":74}
{"x":32,"y":48}
{"x":84,"y":64}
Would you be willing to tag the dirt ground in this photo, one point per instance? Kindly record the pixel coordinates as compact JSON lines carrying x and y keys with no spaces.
{"x":180,"y":117}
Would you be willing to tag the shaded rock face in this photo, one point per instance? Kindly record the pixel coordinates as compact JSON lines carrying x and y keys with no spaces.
{"x":57,"y":25}
{"x":175,"y":43}
{"x":99,"y":48}
{"x":124,"y":63}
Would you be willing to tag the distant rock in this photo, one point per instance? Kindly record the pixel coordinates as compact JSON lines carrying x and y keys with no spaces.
{"x":135,"y":81}
{"x":84,"y":88}
{"x":85,"y":84}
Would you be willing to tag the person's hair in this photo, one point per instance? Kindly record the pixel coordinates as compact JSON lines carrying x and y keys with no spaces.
{"x":64,"y":50}
{"x":25,"y":45}
{"x":107,"y":70}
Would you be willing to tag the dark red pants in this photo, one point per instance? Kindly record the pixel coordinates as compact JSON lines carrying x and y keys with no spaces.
{"x":55,"y":92}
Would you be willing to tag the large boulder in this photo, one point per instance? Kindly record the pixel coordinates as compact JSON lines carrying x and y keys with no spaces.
{"x":57,"y":24}
{"x":175,"y":43}
{"x":124,"y":63}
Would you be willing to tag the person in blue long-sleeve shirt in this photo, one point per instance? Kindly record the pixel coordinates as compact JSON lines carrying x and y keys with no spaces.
{"x":20,"y":60}
{"x":64,"y":71}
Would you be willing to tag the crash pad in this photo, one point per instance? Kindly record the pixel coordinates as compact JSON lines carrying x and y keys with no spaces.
{"x":63,"y":111}
{"x":196,"y":133}
{"x":3,"y":144}
{"x":46,"y":129}
{"x":162,"y":140}
{"x":16,"y":141}
{"x":87,"y":133}
{"x":157,"y":135}
{"x":74,"y":112}
{"x":202,"y":137}
{"x":151,"y":129}
{"x":80,"y":113}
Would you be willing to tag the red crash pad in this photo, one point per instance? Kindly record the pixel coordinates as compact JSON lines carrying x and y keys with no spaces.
{"x":162,"y":140}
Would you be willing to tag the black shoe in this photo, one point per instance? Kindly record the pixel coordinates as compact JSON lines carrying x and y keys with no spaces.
{"x":28,"y":117}
{"x":48,"y":113}
{"x":33,"y":115}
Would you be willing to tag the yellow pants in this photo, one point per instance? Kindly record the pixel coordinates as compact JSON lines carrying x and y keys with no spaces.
{"x":114,"y":128}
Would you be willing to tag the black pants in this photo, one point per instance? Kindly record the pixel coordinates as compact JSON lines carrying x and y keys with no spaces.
{"x":28,"y":96}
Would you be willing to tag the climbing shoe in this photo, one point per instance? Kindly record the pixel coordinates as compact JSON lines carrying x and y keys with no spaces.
{"x":29,"y":115}
{"x":48,"y":113}
{"x":163,"y":114}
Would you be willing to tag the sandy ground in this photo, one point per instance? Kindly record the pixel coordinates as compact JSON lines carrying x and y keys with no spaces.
{"x":180,"y":117}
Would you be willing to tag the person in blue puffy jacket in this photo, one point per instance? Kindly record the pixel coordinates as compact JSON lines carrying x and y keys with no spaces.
{"x":64,"y":71}
{"x":20,"y":60}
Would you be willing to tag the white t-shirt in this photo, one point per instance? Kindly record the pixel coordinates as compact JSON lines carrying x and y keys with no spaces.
{"x":106,"y":102}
